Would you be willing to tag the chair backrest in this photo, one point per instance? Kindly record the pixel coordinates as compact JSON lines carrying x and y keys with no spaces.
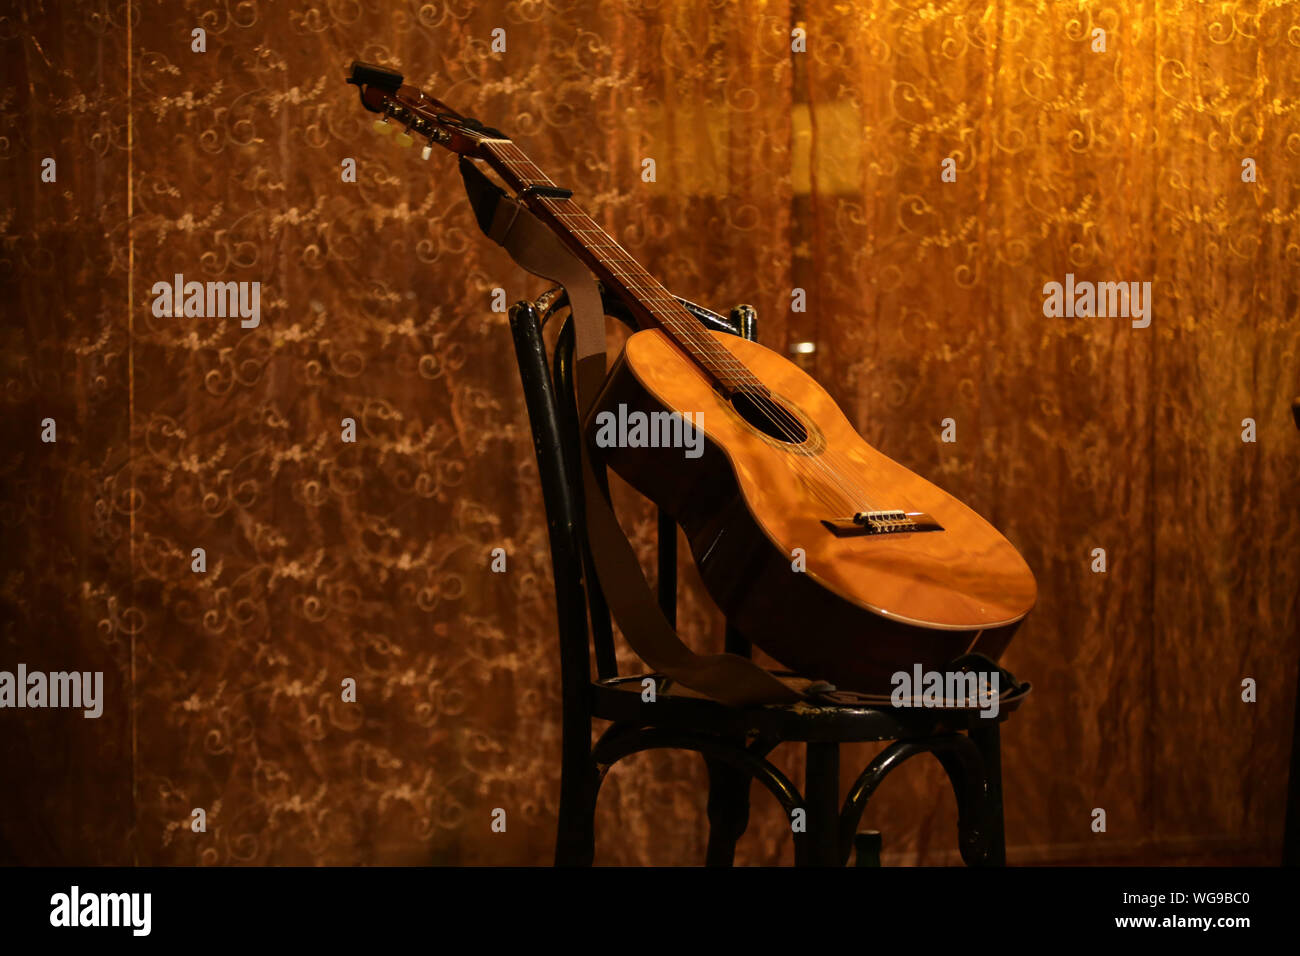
{"x":553,"y":416}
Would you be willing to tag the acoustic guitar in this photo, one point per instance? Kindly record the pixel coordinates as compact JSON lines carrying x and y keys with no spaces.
{"x":833,"y":558}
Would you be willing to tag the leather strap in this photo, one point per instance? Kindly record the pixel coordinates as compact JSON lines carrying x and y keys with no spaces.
{"x":729,"y":678}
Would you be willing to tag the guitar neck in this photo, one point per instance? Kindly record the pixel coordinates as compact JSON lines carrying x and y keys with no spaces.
{"x":651,"y":304}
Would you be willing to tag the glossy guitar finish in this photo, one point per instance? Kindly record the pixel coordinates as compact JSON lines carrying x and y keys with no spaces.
{"x":866,"y":605}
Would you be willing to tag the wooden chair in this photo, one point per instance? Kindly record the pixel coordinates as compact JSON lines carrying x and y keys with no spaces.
{"x":734,"y":742}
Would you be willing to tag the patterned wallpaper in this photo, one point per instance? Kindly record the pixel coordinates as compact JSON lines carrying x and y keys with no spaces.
{"x":822,"y":170}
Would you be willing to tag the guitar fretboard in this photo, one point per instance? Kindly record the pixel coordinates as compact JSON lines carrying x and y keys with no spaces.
{"x":652,"y":304}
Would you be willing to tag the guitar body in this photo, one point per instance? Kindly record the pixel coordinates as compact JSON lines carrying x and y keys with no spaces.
{"x":866,"y":605}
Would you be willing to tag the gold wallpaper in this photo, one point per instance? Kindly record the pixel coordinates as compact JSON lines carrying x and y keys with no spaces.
{"x":820,"y":170}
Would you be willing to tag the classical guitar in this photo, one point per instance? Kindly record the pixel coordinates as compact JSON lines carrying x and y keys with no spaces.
{"x":836,"y":560}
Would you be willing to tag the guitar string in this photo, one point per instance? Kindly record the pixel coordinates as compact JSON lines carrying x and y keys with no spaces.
{"x":715,"y":358}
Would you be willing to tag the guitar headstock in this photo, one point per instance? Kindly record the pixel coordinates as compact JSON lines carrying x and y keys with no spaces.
{"x":416,"y":114}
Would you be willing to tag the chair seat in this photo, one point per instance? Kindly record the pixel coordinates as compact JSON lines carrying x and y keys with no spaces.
{"x":620,"y":699}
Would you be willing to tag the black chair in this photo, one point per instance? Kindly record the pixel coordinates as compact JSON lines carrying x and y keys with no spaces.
{"x":734,"y":742}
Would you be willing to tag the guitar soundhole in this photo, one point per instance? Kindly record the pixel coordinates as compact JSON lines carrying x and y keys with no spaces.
{"x":770,"y":417}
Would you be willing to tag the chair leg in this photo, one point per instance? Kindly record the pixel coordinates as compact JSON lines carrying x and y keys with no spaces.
{"x":728,"y":811}
{"x":575,"y":839}
{"x":822,"y":801}
{"x":987,"y":737}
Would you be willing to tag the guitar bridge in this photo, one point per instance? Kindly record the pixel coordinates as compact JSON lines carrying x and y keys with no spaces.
{"x":881,"y":522}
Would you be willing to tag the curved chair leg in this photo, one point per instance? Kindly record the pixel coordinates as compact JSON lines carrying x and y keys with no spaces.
{"x":978,"y":827}
{"x":855,"y":802}
{"x":728,"y":811}
{"x":974,"y":767}
{"x":962,"y":761}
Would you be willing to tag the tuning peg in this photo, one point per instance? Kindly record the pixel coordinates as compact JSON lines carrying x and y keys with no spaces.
{"x":426,"y":152}
{"x":383,"y":127}
{"x":403,"y":139}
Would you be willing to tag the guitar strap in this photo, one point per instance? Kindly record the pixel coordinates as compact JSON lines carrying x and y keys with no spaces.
{"x":728,"y":678}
